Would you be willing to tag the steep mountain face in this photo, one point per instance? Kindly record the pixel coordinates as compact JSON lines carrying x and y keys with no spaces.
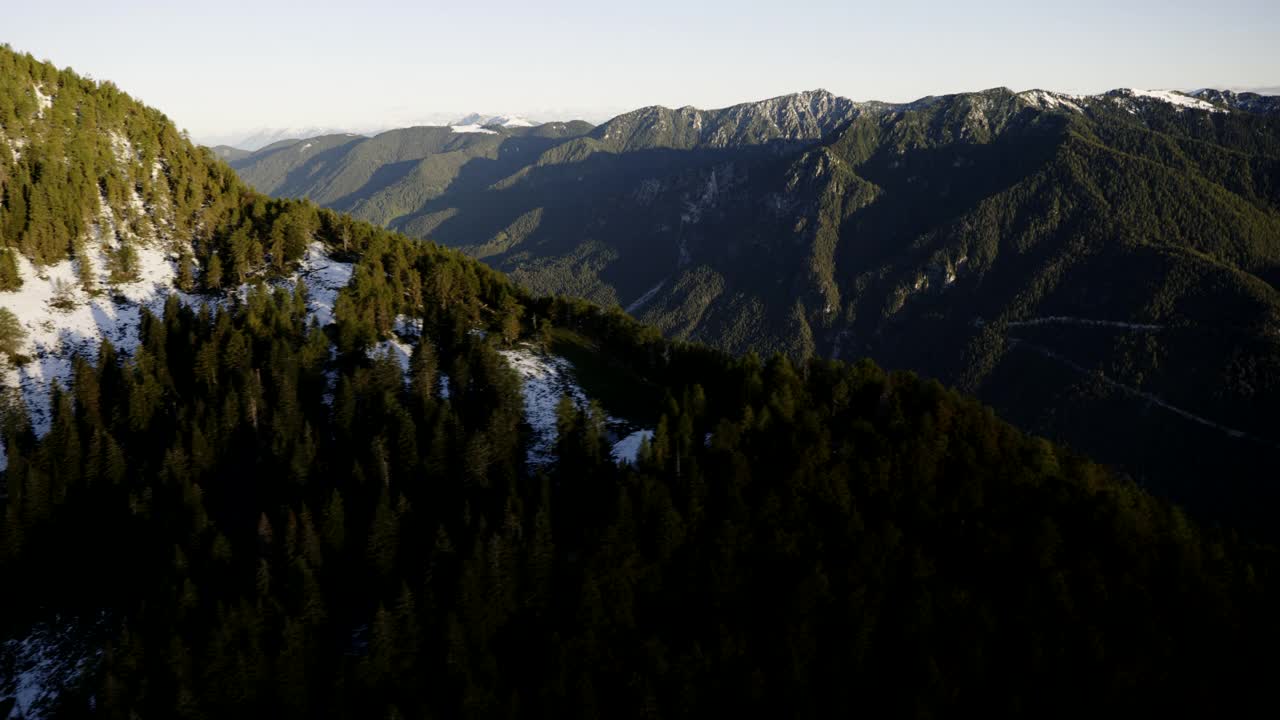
{"x":297,"y":465}
{"x":789,"y":119}
{"x":1103,"y":269}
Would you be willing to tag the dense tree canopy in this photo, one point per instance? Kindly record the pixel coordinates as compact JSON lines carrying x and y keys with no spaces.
{"x":274,"y":530}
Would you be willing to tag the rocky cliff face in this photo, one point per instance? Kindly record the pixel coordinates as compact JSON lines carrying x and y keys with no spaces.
{"x":800,"y":117}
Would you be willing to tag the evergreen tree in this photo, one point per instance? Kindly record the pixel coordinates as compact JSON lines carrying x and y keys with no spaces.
{"x":10,"y":279}
{"x":12,"y":334}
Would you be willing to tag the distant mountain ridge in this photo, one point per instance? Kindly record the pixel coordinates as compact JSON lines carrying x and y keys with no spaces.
{"x":263,"y":137}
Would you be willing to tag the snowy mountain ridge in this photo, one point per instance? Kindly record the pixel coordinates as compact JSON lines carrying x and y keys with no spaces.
{"x":1264,"y":103}
{"x":507,"y":121}
{"x":788,"y":113}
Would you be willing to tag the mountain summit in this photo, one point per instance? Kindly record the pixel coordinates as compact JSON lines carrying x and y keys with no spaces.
{"x":798,"y":117}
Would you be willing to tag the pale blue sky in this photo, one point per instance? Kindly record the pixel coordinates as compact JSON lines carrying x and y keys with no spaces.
{"x":220,"y":67}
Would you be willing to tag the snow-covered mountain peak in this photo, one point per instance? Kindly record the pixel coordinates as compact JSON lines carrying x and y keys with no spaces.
{"x":1178,"y":100}
{"x":1051,"y":100}
{"x":479,"y":120}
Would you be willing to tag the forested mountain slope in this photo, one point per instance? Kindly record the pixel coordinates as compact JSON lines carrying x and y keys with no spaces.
{"x":1102,"y":269}
{"x":303,"y":486}
{"x":395,"y":173}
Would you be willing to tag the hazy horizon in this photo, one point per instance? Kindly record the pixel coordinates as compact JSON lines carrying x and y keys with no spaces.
{"x":227,"y":71}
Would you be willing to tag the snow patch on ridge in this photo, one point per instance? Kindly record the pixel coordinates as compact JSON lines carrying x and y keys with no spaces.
{"x":397,"y":348}
{"x":1124,"y":97}
{"x":62,"y":320}
{"x":1050,"y":100}
{"x":644,"y":299}
{"x":472,"y":129}
{"x":544,"y":380}
{"x":626,"y":450}
{"x":324,"y":277}
{"x":407,"y":326}
{"x":122,"y":148}
{"x":1177,"y":99}
{"x":52,"y":657}
{"x":43,"y":101}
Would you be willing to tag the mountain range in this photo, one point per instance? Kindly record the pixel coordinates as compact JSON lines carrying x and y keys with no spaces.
{"x":265,"y":459}
{"x":1102,"y":269}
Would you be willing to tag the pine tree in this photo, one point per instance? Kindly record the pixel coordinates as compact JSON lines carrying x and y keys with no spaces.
{"x":542,"y":551}
{"x":10,"y":279}
{"x":213,"y":273}
{"x":186,"y":272}
{"x":408,"y":635}
{"x":380,"y":663}
{"x":423,"y":382}
{"x":12,"y":334}
{"x":312,"y":550}
{"x":290,"y":671}
{"x":122,"y":265}
{"x":509,"y":319}
{"x":384,"y":536}
{"x":334,"y":527}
